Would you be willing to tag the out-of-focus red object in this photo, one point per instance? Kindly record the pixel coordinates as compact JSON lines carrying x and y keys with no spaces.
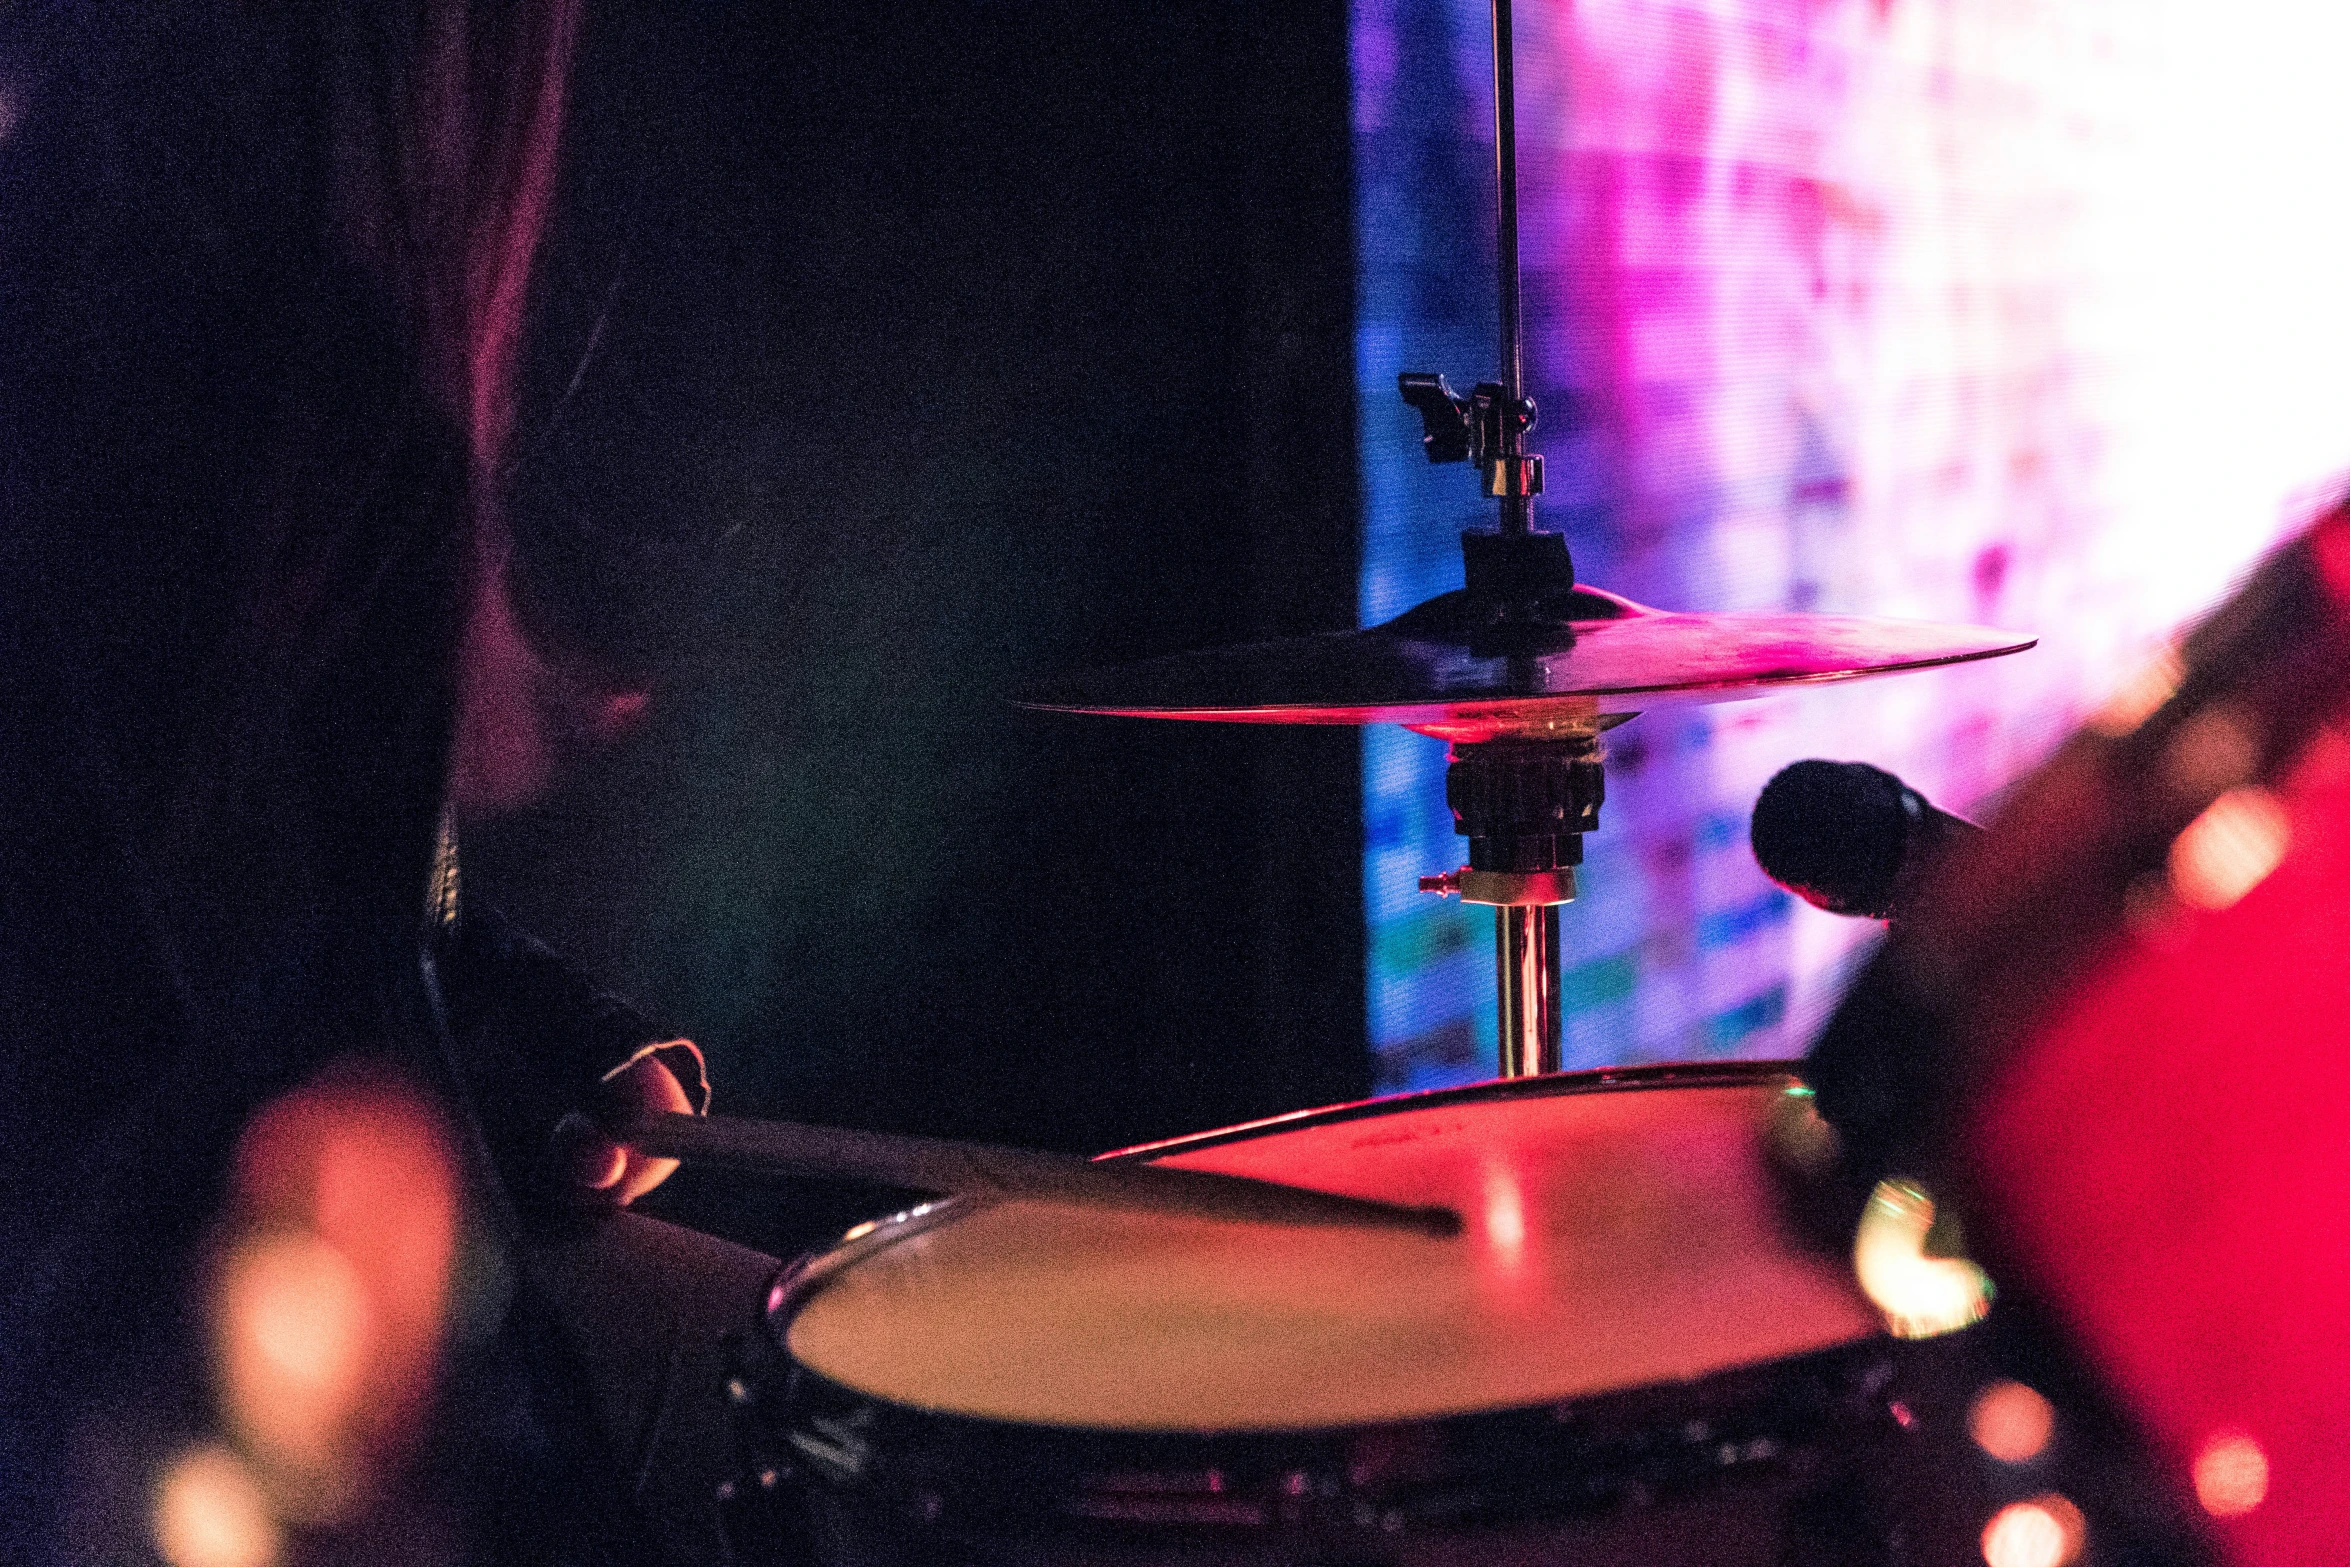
{"x":330,"y":1293}
{"x":2169,"y":1160}
{"x":2118,"y":1025}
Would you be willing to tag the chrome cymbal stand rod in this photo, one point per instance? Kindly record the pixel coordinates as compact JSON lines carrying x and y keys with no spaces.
{"x":1517,"y":502}
{"x":1525,"y":935}
{"x":1526,"y":960}
{"x":1487,"y":428}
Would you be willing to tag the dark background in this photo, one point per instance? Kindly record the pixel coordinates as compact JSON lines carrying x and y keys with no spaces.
{"x":885,"y":357}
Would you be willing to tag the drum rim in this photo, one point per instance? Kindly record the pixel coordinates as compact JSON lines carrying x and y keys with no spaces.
{"x":1847,"y":1388}
{"x":808,"y":1276}
{"x":1669,"y":1074}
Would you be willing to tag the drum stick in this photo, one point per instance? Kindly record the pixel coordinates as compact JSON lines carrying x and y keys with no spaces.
{"x":935,"y":1164}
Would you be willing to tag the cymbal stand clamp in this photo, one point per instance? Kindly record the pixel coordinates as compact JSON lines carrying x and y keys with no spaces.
{"x":1524,"y":806}
{"x":1486,"y":429}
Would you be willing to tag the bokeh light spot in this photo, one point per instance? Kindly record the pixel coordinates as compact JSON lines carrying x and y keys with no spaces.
{"x":2229,"y":849}
{"x":2215,"y":750}
{"x":2231,"y":1475}
{"x":331,"y":1291}
{"x":293,"y":1344}
{"x":1921,"y":1296}
{"x":1505,"y":1215}
{"x":210,"y":1512}
{"x":2140,"y":695}
{"x":2011,"y":1422}
{"x":2047,"y":1531}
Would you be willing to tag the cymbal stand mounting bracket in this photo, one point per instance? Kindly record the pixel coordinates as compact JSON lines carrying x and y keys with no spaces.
{"x":1524,"y":806}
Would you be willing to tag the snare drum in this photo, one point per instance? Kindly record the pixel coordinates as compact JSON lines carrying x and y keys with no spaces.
{"x":1623,"y":1358}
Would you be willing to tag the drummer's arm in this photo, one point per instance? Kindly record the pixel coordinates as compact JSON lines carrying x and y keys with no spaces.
{"x":556,"y":1059}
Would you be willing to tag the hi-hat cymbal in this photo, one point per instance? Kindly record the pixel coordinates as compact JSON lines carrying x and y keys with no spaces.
{"x":1447,"y":668}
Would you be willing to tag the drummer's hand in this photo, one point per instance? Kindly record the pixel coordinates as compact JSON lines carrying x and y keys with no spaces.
{"x":594,"y":1169}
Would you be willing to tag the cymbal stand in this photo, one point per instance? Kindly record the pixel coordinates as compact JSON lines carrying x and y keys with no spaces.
{"x":1523,"y":800}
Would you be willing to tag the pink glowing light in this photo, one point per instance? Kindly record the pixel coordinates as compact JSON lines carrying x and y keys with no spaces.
{"x":211,"y":1512}
{"x":2044,"y":1532}
{"x":1505,"y":1219}
{"x":329,"y":1300}
{"x":296,"y":1332}
{"x":2230,"y":849}
{"x":2011,"y":1422}
{"x":2231,"y":1475}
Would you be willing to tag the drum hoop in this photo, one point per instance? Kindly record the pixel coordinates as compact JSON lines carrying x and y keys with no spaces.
{"x":808,"y":1276}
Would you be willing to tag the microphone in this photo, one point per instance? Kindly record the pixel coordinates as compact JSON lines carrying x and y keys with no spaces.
{"x":1851,"y":838}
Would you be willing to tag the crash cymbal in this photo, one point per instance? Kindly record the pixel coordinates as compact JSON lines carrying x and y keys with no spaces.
{"x":1453,"y":669}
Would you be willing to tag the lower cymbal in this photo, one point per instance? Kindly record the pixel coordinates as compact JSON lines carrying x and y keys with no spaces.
{"x":1448,"y":668}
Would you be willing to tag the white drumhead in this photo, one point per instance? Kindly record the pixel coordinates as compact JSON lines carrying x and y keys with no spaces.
{"x":1614,"y":1239}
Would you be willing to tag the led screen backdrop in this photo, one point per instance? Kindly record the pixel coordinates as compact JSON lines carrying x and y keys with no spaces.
{"x":1980,"y":310}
